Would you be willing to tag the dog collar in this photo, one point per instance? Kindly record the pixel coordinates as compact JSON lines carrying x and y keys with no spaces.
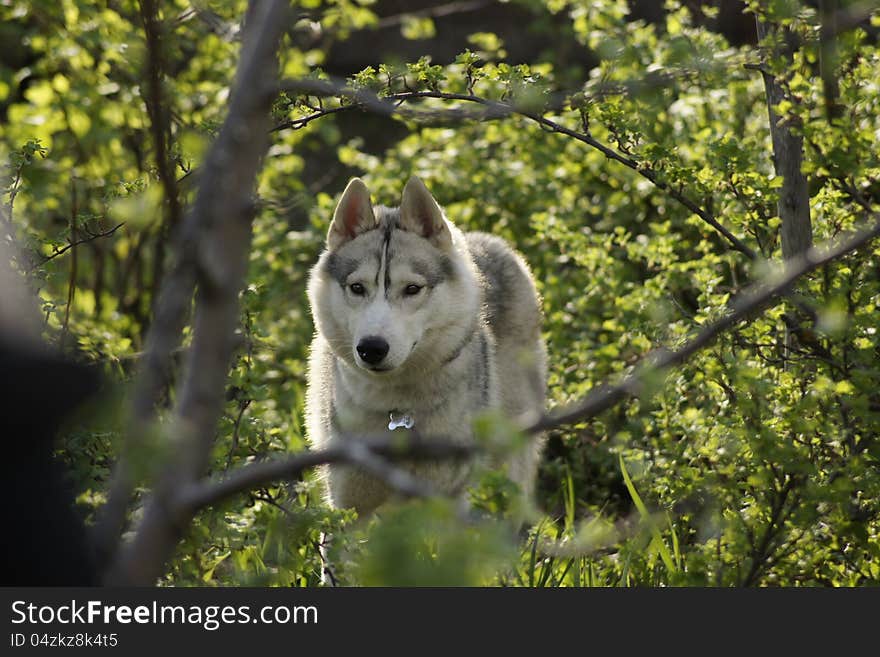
{"x":397,"y":419}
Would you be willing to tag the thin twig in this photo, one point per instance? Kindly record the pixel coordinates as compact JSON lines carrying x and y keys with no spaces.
{"x":74,"y":243}
{"x":236,"y":429}
{"x":71,"y":284}
{"x":762,"y":551}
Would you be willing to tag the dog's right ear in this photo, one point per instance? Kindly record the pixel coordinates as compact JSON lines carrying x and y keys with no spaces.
{"x":420,"y":214}
{"x":353,"y":215}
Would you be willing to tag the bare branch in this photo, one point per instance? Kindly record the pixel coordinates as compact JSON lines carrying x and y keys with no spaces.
{"x":746,"y":305}
{"x":788,"y":155}
{"x":829,"y":60}
{"x":74,"y":243}
{"x":216,"y":237}
{"x":763,"y":550}
{"x":71,"y":283}
{"x":160,"y":128}
{"x":376,"y":454}
{"x":390,"y":105}
{"x":439,"y":11}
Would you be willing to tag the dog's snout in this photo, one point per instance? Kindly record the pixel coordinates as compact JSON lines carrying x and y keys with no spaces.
{"x":372,"y":349}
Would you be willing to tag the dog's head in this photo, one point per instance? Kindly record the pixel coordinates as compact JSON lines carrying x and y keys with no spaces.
{"x":395,"y":288}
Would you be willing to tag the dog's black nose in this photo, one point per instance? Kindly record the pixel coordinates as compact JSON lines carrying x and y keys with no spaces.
{"x":372,"y":349}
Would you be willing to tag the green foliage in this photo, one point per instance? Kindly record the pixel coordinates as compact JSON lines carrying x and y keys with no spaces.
{"x":750,"y":464}
{"x":428,"y":544}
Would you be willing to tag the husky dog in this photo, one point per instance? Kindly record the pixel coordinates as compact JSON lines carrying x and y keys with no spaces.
{"x":423,"y":327}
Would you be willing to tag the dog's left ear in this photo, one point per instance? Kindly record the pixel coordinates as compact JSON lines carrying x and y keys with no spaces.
{"x":420,"y":214}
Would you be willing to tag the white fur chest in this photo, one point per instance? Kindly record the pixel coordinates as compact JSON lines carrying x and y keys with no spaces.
{"x":433,"y":408}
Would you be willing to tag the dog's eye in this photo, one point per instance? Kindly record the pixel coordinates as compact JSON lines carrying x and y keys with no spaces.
{"x":412,"y":289}
{"x":357,"y":289}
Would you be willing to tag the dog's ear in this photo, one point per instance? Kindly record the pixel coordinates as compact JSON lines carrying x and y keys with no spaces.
{"x":353,"y":215}
{"x":420,"y":214}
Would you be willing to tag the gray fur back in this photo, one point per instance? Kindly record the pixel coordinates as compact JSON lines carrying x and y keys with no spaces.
{"x":511,"y":300}
{"x":513,"y":314}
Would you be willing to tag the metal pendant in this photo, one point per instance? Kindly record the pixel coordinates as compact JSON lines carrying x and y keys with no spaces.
{"x":397,"y":420}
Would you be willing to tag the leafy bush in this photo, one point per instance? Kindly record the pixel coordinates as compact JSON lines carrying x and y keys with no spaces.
{"x":754,"y":463}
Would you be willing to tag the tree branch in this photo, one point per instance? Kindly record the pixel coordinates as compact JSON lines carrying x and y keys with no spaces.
{"x":788,"y":155}
{"x":753,"y":299}
{"x":160,"y":127}
{"x":74,"y":243}
{"x":375,"y":454}
{"x":439,"y":11}
{"x":762,"y":551}
{"x":366,"y":100}
{"x":214,"y":252}
{"x":71,"y":283}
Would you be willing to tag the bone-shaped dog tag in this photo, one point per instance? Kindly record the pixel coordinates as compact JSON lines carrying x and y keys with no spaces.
{"x":397,"y":420}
